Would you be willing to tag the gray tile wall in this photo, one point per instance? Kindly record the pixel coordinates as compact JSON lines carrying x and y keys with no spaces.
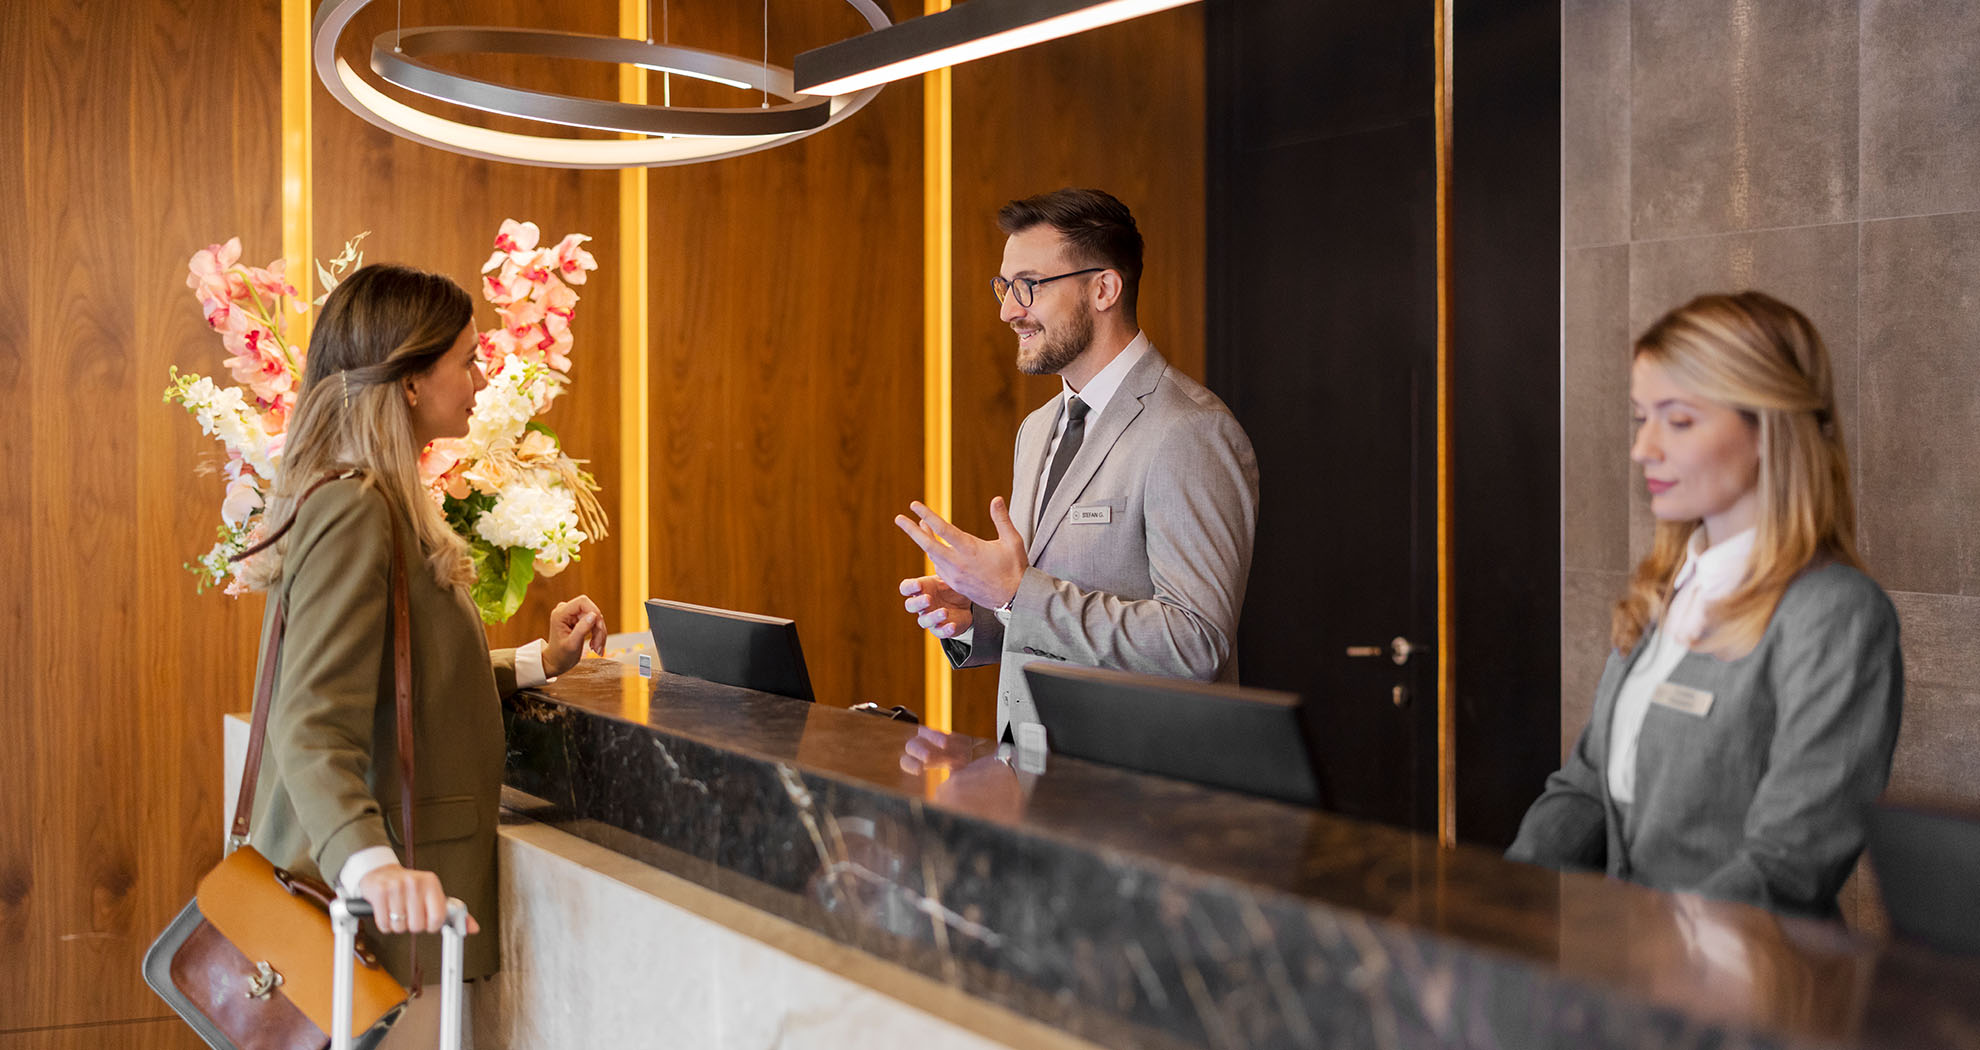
{"x":1827,"y":152}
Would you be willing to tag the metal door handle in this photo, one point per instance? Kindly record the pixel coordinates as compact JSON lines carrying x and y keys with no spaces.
{"x":1397,"y":651}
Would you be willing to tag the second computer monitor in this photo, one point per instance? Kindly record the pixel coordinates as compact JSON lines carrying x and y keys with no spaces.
{"x":1245,"y":739}
{"x":733,"y":648}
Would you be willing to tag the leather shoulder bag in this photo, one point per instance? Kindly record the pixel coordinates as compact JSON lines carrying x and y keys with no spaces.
{"x":248,"y":962}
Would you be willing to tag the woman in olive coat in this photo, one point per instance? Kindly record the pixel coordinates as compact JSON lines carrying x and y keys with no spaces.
{"x":391,"y":366}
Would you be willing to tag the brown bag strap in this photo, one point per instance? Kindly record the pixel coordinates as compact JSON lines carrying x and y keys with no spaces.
{"x":402,"y":699}
{"x":264,"y":686}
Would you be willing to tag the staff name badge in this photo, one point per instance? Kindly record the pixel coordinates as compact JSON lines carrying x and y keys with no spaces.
{"x":1091,"y":515}
{"x":1677,"y":697}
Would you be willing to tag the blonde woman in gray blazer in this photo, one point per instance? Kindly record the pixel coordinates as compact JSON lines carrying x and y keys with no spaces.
{"x":391,"y":366}
{"x":1746,"y":719}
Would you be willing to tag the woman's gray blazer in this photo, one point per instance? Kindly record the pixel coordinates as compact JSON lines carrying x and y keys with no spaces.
{"x":1764,"y":796}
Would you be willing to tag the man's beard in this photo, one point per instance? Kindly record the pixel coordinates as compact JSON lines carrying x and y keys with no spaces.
{"x":1060,"y":349}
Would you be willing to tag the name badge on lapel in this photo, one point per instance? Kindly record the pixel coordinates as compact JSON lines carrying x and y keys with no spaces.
{"x":1091,"y":515}
{"x":1682,"y":698}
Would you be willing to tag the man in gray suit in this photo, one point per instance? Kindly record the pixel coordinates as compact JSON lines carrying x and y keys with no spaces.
{"x":1127,"y":540}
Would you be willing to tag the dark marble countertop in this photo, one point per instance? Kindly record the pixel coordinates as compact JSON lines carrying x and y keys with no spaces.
{"x":1137,"y":911}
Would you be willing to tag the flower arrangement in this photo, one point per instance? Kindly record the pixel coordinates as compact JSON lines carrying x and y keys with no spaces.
{"x":522,"y":504}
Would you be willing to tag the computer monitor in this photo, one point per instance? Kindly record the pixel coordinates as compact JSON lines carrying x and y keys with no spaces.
{"x":733,"y":648}
{"x":1927,"y":860}
{"x":1247,"y":740}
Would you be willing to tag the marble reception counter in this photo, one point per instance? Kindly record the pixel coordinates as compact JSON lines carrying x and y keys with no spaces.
{"x":1135,"y":911}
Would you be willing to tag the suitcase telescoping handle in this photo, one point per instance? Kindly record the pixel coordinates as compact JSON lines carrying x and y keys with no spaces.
{"x":344,"y":916}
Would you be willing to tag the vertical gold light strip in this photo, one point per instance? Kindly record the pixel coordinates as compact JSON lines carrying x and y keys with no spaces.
{"x":296,"y":218}
{"x":635,"y":440}
{"x":1446,"y":610}
{"x":938,"y":345}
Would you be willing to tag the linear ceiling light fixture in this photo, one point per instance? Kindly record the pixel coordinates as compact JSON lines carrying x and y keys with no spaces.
{"x":691,"y":134}
{"x":967,"y":31}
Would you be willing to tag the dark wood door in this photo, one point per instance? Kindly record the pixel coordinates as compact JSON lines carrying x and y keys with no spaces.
{"x":1323,"y":311}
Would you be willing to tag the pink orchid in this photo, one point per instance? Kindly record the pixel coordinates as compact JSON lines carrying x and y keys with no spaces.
{"x":242,"y":499}
{"x":496,"y":289}
{"x":558,"y":308}
{"x":439,"y":457}
{"x":213,"y":271}
{"x":525,"y":278}
{"x":272,"y":281}
{"x":572,"y":261}
{"x":496,"y":345}
{"x":520,"y":317}
{"x":514,"y":241}
{"x":556,"y":347}
{"x":488,"y":348}
{"x":257,"y":366}
{"x":223,"y":316}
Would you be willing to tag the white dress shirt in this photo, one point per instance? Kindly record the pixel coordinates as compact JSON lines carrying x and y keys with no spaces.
{"x":529,"y":674}
{"x":1099,"y":390}
{"x":1706,"y":576}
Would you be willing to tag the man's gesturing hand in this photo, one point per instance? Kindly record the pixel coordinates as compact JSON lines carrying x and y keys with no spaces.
{"x":986,"y":572}
{"x":937,"y":606}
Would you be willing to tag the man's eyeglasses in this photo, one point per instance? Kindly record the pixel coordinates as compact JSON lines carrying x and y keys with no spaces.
{"x":1026,"y":287}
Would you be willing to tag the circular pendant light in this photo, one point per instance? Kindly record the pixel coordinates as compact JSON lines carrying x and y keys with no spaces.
{"x":693,"y":134}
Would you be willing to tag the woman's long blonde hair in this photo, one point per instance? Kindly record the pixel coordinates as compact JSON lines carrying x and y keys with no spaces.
{"x":1763,"y":358}
{"x":382,"y":326}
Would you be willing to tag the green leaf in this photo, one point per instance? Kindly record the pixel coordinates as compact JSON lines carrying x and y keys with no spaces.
{"x":522,"y":570}
{"x":501,"y":579}
{"x":491,"y":572}
{"x":541,"y":429}
{"x":462,"y":514}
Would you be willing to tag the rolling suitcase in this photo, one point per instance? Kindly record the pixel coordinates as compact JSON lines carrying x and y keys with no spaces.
{"x":344,"y":916}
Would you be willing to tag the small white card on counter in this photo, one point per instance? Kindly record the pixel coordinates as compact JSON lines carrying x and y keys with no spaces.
{"x":1682,"y":698}
{"x":1092,"y":515}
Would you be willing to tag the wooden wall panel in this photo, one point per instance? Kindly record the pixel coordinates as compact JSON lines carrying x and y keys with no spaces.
{"x":141,"y":1035}
{"x":21,"y":929}
{"x":786,"y":382}
{"x":1120,"y":109}
{"x":131,"y":158}
{"x":439,"y":211}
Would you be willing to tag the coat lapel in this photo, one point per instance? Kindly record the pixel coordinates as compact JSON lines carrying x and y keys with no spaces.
{"x":1121,"y":412}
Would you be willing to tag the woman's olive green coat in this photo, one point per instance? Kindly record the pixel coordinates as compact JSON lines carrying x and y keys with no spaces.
{"x":329,"y":782}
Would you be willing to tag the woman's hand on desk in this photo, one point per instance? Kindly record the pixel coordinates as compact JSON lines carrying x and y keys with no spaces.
{"x":407,"y":901}
{"x":572,"y":625}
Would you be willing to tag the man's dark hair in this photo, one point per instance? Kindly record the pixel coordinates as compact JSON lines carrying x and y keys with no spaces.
{"x":1097,"y":226}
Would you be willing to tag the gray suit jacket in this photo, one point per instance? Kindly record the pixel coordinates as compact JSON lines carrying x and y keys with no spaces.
{"x":1762,"y":798}
{"x":1152,"y":575}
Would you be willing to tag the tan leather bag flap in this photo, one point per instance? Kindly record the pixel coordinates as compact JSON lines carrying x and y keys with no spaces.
{"x":242,"y":900}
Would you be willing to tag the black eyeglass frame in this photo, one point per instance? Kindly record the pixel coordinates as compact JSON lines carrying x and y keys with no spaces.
{"x":1027,"y":287}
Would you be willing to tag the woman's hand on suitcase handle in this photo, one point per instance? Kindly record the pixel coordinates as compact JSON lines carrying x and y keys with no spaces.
{"x":572,"y":624}
{"x":407,"y":901}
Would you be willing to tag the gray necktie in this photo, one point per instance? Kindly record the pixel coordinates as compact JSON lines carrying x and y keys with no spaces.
{"x":1068,"y":448}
